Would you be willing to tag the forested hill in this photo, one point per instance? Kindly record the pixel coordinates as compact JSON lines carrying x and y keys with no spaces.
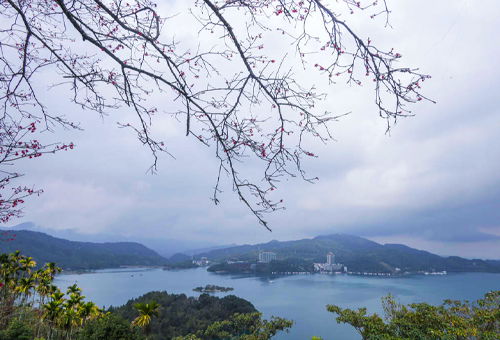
{"x":72,"y":255}
{"x":181,"y":315}
{"x":357,"y":253}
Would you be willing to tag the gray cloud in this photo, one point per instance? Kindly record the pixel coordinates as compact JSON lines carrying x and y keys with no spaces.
{"x":434,"y":182}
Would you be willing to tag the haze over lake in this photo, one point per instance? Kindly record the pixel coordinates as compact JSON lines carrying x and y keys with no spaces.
{"x":301,"y":298}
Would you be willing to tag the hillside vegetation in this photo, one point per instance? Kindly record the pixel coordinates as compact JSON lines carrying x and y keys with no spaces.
{"x":72,"y":255}
{"x":32,"y":307}
{"x":357,"y":253}
{"x":181,"y":315}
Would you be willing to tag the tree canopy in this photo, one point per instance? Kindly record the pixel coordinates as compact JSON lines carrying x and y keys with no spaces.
{"x":451,"y":320}
{"x":33,"y":307}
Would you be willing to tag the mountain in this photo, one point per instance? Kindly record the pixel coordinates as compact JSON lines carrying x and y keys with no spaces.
{"x":179,"y":258}
{"x":357,"y":253}
{"x":164,"y":246}
{"x":80,"y":255}
{"x":192,"y":252}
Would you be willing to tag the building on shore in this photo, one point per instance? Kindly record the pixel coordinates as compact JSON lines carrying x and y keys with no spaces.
{"x":330,"y":258}
{"x":267,"y":256}
{"x":330,"y":265}
{"x":201,"y":262}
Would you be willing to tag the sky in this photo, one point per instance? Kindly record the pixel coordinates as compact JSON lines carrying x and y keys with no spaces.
{"x":433,"y":183}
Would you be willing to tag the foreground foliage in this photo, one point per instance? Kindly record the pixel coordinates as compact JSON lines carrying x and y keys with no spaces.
{"x":111,"y":326}
{"x":32,"y":307}
{"x":243,"y":327}
{"x":181,"y":315}
{"x":449,"y":321}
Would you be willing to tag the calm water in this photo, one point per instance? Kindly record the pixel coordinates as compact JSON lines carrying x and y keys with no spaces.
{"x":300,"y":298}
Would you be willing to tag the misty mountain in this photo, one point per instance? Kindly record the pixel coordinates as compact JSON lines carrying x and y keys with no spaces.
{"x":80,"y":255}
{"x":163,"y":246}
{"x":357,"y":253}
{"x":192,"y":252}
{"x":179,"y":258}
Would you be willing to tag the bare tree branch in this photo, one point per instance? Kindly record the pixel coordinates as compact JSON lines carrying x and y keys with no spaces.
{"x":234,"y":96}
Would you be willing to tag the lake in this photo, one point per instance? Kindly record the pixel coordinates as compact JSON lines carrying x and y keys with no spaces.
{"x":301,"y":298}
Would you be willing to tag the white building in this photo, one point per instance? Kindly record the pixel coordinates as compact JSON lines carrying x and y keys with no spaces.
{"x":201,"y":262}
{"x":266,"y":256}
{"x":330,"y":258}
{"x":330,"y":265}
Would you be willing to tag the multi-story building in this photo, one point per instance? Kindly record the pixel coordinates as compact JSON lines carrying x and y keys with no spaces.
{"x":330,"y":265}
{"x":266,"y":256}
{"x":330,"y":258}
{"x":201,"y":262}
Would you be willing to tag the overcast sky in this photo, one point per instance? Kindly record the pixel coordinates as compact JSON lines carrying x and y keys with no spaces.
{"x":433,"y":183}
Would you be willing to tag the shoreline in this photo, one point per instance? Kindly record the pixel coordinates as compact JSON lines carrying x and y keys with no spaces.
{"x":273,"y":274}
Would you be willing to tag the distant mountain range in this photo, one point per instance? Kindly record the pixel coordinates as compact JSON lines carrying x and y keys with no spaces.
{"x":72,"y":255}
{"x":164,"y":246}
{"x":357,"y":253}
